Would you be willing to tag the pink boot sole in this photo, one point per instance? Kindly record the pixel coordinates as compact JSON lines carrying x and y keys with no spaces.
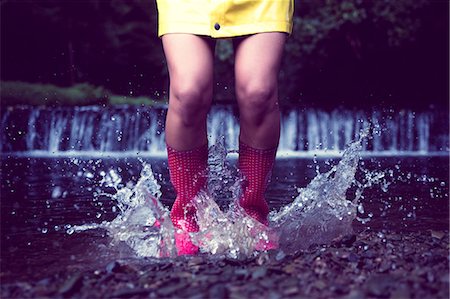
{"x":184,"y":244}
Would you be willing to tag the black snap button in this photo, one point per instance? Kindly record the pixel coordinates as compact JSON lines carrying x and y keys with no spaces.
{"x":217,"y":26}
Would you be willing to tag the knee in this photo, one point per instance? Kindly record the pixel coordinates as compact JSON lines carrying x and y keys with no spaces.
{"x":191,"y":102}
{"x":256,"y":100}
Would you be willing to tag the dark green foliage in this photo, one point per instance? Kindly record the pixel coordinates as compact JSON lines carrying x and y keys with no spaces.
{"x":21,"y":93}
{"x":341,"y":52}
{"x":16,"y":93}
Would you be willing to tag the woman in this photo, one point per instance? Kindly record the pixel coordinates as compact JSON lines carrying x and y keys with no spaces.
{"x":188,"y":29}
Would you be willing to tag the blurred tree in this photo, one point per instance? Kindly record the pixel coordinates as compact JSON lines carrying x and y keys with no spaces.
{"x":344,"y":36}
{"x":110,"y":43}
{"x":340,"y":52}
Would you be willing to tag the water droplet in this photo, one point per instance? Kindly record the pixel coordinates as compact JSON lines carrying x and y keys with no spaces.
{"x":57,"y":192}
{"x":361,"y":208}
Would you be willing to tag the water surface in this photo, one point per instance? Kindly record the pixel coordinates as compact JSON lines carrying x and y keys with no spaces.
{"x":42,"y":198}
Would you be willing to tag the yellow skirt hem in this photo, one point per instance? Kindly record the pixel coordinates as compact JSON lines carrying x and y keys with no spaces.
{"x":229,"y":31}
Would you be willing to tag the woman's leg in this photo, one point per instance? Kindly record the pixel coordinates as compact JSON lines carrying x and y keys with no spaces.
{"x":257,"y":64}
{"x":190,"y":63}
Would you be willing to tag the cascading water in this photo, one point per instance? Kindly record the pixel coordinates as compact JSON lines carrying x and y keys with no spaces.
{"x":140,"y":130}
{"x":320,"y":213}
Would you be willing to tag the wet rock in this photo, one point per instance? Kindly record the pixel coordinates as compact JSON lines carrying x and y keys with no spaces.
{"x":71,"y":285}
{"x":355,"y":294}
{"x":348,"y":240}
{"x":232,"y":262}
{"x":385,"y":266}
{"x":413,"y":265}
{"x":290,"y":291}
{"x":259,"y":272}
{"x":289,"y":269}
{"x":378,"y":285}
{"x":263,"y":258}
{"x":437,"y":234}
{"x":196,"y":261}
{"x":273,"y":295}
{"x":171,"y":289}
{"x":341,"y":289}
{"x":370,"y":254}
{"x":353,"y":257}
{"x":126,"y":293}
{"x":320,"y":284}
{"x":401,"y":292}
{"x":113,"y":266}
{"x":395,"y":237}
{"x":164,"y":266}
{"x":280,"y":256}
{"x":218,"y":291}
{"x":242,"y":273}
{"x":268,"y":283}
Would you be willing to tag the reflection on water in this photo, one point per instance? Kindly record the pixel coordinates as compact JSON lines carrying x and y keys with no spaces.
{"x":43,"y":199}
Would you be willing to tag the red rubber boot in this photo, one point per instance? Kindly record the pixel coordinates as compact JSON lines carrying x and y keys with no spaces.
{"x":256,"y":166}
{"x":188,"y":174}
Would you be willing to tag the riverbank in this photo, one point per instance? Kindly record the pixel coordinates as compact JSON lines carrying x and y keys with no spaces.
{"x":366,"y":265}
{"x":16,"y":93}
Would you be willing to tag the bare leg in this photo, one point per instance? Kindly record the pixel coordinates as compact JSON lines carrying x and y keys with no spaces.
{"x":190,"y":62}
{"x":257,"y":65}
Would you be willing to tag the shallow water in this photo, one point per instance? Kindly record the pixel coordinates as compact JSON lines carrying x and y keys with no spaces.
{"x":42,"y":198}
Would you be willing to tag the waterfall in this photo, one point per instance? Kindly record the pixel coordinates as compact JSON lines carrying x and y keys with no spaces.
{"x":129,"y":129}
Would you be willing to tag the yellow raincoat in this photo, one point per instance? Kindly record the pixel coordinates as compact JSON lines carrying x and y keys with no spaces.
{"x":224,"y":18}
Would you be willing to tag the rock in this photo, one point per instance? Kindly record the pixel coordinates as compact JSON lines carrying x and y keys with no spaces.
{"x":71,"y":285}
{"x":113,"y":266}
{"x":259,"y":272}
{"x":242,"y":273}
{"x":348,"y":240}
{"x":395,"y":237}
{"x":355,"y":294}
{"x":125,"y":293}
{"x":164,"y":266}
{"x":280,"y":256}
{"x":401,"y":292}
{"x":218,"y":291}
{"x":273,"y":295}
{"x":269,"y":283}
{"x":320,"y":284}
{"x":413,"y":265}
{"x":370,"y":254}
{"x":290,"y":291}
{"x":169,"y":289}
{"x":353,"y":257}
{"x":378,"y":285}
{"x":263,"y":258}
{"x":195,"y":261}
{"x":289,"y":269}
{"x":384,"y":266}
{"x":437,"y":234}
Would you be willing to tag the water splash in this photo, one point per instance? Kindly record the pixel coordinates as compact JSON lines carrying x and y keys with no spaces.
{"x":143,"y":222}
{"x":320,"y":213}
